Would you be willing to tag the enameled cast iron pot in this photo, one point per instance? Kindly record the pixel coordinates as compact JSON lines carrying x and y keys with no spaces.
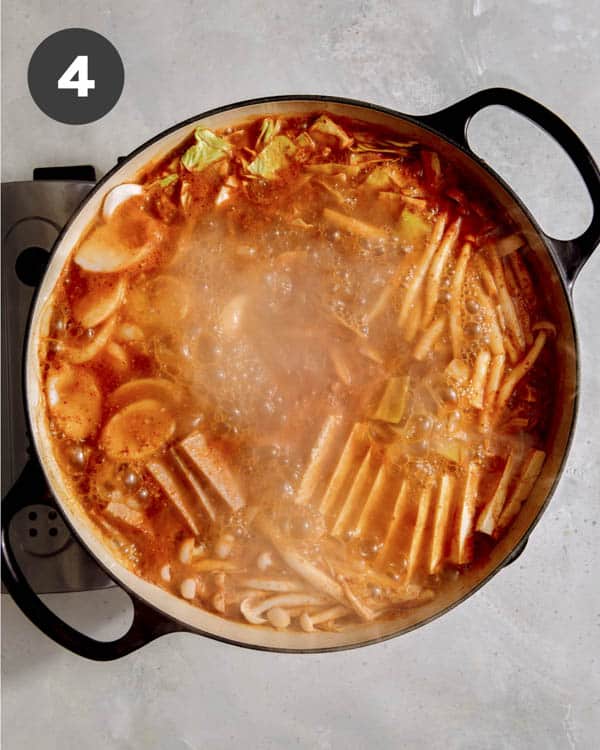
{"x":157,"y":612}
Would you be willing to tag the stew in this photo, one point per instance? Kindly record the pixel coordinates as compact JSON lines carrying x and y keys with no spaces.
{"x":296,"y":373}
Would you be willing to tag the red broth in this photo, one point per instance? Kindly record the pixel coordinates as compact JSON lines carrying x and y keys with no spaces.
{"x":295,"y":373}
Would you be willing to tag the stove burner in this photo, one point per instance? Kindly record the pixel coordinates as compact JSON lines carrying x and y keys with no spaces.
{"x":33,"y":214}
{"x":31,"y":264}
{"x":41,"y":530}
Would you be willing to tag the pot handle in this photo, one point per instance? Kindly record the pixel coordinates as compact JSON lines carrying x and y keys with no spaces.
{"x":147,"y":624}
{"x":454,"y":121}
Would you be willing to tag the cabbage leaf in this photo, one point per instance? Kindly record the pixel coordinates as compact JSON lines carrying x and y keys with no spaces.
{"x":170,"y":179}
{"x":352,"y":170}
{"x":396,"y":148}
{"x":380,"y":178}
{"x":324,"y":124}
{"x":162,"y":182}
{"x":268,"y":130}
{"x":208,"y":148}
{"x":304,"y":141}
{"x":272,"y":158}
{"x":412,"y":228}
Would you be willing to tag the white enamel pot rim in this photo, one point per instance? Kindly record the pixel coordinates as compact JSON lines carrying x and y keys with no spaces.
{"x":157,"y":612}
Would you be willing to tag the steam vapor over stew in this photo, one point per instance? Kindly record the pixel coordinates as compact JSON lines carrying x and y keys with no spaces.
{"x":296,"y":374}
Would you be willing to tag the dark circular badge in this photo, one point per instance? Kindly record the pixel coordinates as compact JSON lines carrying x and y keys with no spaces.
{"x":76,"y":76}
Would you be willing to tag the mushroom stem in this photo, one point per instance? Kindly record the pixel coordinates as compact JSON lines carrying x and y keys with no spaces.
{"x":308,"y":622}
{"x":300,"y":565}
{"x":252,"y":608}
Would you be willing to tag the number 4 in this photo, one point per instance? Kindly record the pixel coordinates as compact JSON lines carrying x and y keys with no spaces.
{"x":76,"y":77}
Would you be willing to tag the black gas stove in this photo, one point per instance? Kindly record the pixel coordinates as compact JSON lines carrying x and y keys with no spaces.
{"x":33,"y":213}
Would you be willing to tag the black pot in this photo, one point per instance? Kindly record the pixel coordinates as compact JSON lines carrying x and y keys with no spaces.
{"x":158,"y":612}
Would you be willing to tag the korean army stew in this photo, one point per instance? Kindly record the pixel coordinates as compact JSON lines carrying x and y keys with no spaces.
{"x":295,"y":374}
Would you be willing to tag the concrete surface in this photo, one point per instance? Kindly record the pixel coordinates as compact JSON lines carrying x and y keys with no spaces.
{"x":517,"y":665}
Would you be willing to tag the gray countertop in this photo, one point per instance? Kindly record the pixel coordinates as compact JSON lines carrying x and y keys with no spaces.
{"x":517,"y":665}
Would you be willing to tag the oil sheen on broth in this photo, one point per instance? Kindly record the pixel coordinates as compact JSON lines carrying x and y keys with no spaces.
{"x":295,"y":373}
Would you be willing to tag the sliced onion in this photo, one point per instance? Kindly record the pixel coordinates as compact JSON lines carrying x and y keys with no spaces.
{"x":119,"y":195}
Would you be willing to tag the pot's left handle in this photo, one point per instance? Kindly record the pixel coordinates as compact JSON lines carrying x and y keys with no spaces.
{"x":147,"y":624}
{"x":453,"y":123}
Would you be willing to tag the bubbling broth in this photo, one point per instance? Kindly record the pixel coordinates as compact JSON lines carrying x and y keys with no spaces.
{"x":296,"y":373}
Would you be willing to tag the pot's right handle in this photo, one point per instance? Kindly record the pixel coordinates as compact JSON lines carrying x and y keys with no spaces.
{"x":454,"y":120}
{"x":148,"y":624}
